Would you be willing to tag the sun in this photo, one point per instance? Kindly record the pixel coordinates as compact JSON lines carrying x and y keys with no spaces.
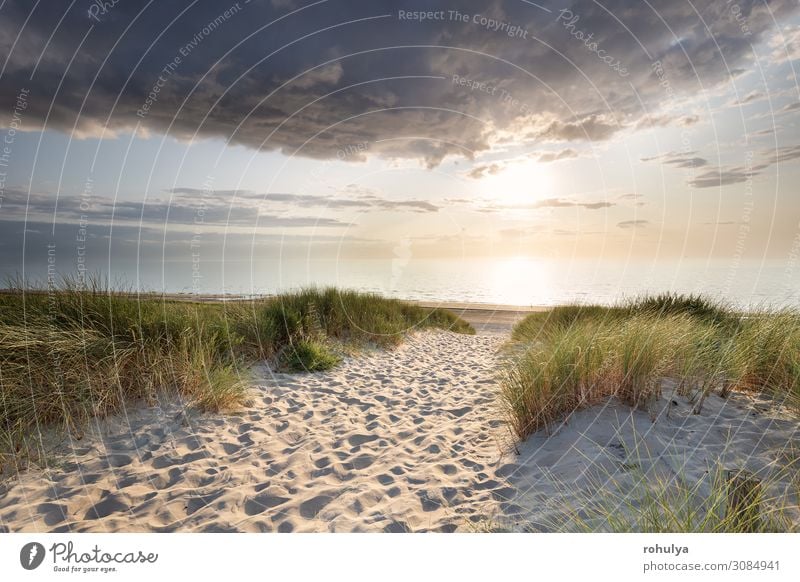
{"x":519,"y":184}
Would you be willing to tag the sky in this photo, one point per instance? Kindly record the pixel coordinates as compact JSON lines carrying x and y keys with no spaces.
{"x":150,"y":133}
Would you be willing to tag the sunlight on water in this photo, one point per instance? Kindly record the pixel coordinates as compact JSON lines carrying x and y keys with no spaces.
{"x":514,"y":281}
{"x":520,"y":281}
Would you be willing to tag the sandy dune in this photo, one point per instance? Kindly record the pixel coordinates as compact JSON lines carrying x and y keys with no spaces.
{"x":389,"y":441}
{"x":406,"y":440}
{"x":605,"y":454}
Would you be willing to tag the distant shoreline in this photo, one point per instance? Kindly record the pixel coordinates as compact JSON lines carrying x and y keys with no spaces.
{"x":232,"y":297}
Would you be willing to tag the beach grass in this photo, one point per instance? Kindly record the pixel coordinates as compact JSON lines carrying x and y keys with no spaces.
{"x":577,"y":355}
{"x":647,"y":502}
{"x":71,"y":353}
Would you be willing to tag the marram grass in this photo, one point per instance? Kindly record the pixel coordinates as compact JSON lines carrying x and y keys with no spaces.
{"x":574,"y":356}
{"x":69,"y":354}
{"x":656,"y":503}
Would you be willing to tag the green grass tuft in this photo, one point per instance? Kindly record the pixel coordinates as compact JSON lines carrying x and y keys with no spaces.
{"x":310,"y":356}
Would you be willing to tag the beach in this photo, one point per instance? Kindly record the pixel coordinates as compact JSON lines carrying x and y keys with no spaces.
{"x":409,"y":439}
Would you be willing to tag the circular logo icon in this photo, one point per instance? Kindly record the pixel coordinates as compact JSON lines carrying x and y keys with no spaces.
{"x":31,"y":555}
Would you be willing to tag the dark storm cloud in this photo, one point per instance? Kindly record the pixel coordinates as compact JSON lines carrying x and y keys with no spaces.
{"x":339,"y":73}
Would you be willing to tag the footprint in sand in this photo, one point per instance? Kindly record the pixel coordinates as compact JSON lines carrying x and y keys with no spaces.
{"x":311,"y":508}
{"x":263,"y":502}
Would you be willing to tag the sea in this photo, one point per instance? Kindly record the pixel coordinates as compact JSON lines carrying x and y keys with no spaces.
{"x":515,"y":281}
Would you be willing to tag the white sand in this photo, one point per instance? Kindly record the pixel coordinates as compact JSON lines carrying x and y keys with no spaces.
{"x":407,"y":440}
{"x":604,"y":455}
{"x":394,"y":441}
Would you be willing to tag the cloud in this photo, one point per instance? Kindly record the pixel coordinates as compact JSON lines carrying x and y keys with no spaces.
{"x":665,"y":119}
{"x":751,"y":97}
{"x":484,"y":170}
{"x":328,"y":75}
{"x":590,"y":128}
{"x":629,"y":224}
{"x":727,"y":175}
{"x":363,"y":200}
{"x":413,"y":205}
{"x":561,"y":203}
{"x":785,"y":44}
{"x":187,"y":209}
{"x":784,"y":154}
{"x":492,"y":169}
{"x":340,"y":73}
{"x":687,"y":162}
{"x":721,"y":177}
{"x":679,"y":160}
{"x":564,"y":154}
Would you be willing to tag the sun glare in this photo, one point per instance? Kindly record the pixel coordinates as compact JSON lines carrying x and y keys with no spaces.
{"x":521,"y":280}
{"x":520,"y":184}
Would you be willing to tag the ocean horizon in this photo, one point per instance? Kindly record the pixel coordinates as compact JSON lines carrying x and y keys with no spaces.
{"x":517,"y":281}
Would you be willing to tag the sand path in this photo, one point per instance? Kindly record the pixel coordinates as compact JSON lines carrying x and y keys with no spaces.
{"x":400,"y":440}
